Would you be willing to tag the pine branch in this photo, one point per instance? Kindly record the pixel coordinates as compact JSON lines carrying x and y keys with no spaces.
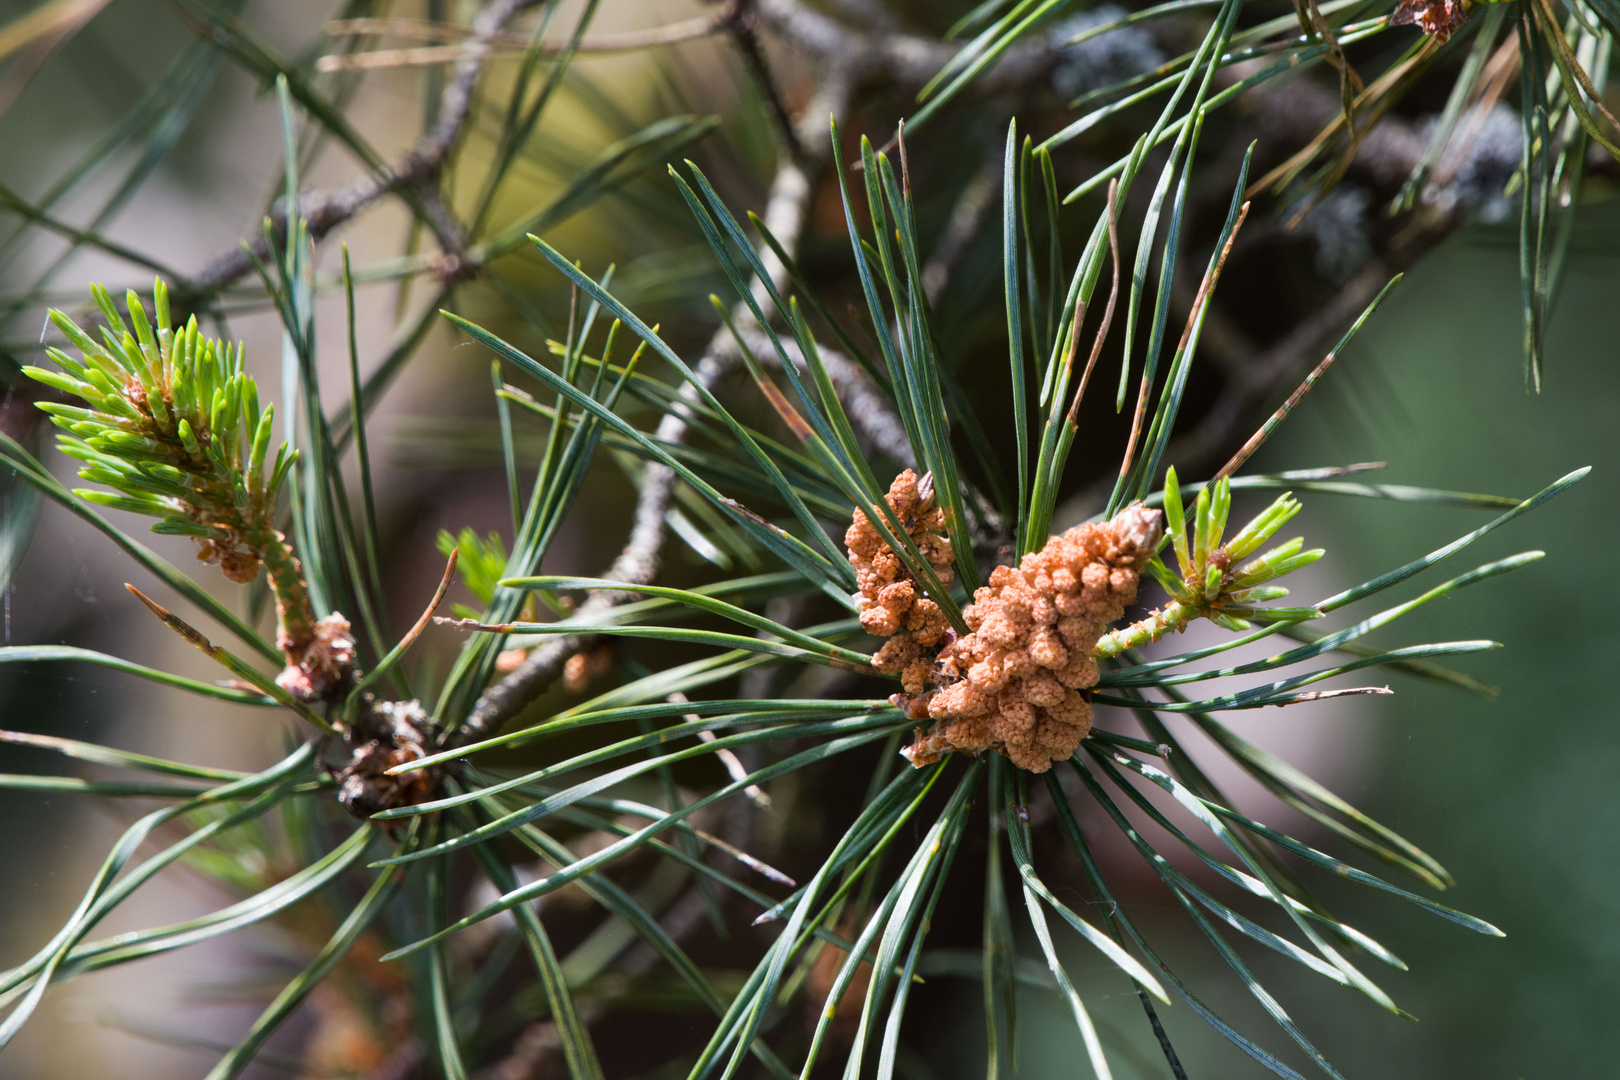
{"x":417,"y":171}
{"x":639,"y":561}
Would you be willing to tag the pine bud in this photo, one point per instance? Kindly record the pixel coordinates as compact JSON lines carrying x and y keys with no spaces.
{"x":164,"y":428}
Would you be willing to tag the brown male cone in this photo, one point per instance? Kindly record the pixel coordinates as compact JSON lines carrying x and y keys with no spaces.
{"x":889,"y":601}
{"x":1437,"y":18}
{"x":1013,"y":683}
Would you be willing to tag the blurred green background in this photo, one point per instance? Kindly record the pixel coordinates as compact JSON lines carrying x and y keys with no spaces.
{"x":1530,"y":830}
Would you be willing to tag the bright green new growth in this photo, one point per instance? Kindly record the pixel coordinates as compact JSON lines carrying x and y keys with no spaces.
{"x":481,"y":565}
{"x":1215,"y":583}
{"x":175,"y":428}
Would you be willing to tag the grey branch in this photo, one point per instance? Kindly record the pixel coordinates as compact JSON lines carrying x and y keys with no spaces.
{"x":638,"y":563}
{"x":966,"y":217}
{"x":904,"y":58}
{"x":416,"y":171}
{"x":868,"y":408}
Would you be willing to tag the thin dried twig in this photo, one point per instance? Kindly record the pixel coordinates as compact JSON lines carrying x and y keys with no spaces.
{"x":1260,"y":436}
{"x":1206,"y":287}
{"x":501,"y":46}
{"x":438,"y":598}
{"x":224,"y":658}
{"x":1108,"y":312}
{"x":738,"y":772}
{"x":869,"y":410}
{"x":850,"y":57}
{"x":417,"y":171}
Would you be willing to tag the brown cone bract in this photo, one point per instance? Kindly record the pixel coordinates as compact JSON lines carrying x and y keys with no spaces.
{"x":1013,"y":684}
{"x":889,"y":601}
{"x":1437,"y":18}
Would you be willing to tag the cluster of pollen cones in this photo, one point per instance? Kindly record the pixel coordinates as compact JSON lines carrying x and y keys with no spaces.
{"x":1437,"y":18}
{"x":890,"y":603}
{"x":1012,"y":684}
